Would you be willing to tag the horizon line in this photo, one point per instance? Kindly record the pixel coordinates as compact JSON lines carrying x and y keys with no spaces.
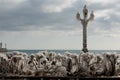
{"x":64,"y":49}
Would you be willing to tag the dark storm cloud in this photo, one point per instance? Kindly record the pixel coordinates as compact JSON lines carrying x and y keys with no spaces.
{"x":30,"y":15}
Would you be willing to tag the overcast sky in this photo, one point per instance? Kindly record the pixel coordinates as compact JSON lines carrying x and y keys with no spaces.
{"x":51,"y":24}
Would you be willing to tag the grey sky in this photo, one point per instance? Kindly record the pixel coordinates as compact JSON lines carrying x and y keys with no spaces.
{"x":28,"y":23}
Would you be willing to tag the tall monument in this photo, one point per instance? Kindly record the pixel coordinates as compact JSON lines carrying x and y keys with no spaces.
{"x":84,"y":23}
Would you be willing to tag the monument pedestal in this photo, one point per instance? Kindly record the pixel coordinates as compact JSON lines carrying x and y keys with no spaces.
{"x":85,"y":50}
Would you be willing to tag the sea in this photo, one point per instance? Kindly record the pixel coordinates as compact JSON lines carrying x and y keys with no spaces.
{"x":63,"y":51}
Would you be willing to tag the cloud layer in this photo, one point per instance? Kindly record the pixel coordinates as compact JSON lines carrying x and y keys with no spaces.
{"x":26,"y":15}
{"x":34,"y":18}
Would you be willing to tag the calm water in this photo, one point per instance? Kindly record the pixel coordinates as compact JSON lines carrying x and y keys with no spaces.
{"x":63,"y":51}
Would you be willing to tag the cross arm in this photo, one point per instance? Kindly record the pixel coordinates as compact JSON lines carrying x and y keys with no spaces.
{"x":78,"y":16}
{"x":91,"y":16}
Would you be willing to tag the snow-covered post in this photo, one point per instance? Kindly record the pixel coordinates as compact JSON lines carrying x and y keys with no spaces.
{"x":84,"y":23}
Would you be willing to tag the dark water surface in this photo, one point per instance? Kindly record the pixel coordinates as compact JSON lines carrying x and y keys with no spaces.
{"x":63,"y":51}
